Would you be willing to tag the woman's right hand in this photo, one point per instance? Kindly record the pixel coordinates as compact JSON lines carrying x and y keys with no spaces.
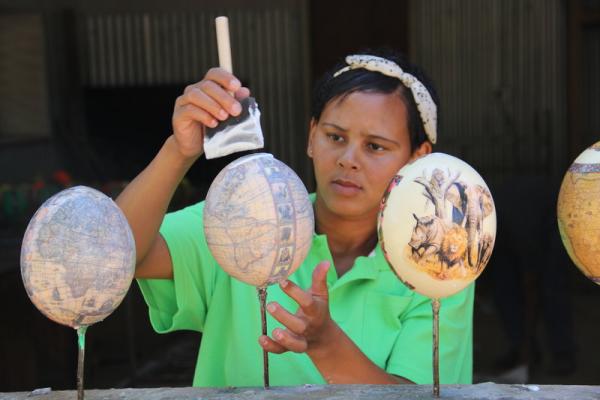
{"x":204,"y":104}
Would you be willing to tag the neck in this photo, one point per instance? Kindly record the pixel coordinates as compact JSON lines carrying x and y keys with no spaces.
{"x":348,"y":238}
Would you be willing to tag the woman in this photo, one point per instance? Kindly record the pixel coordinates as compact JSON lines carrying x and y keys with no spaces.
{"x":347,"y":320}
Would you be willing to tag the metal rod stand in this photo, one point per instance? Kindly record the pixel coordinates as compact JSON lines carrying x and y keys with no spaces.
{"x":80,"y":360}
{"x":262,"y":297}
{"x":435,"y":305}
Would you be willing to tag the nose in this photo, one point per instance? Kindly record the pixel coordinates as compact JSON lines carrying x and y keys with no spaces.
{"x":349,"y":158}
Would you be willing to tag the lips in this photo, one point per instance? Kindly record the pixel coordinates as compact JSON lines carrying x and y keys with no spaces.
{"x":346,"y":187}
{"x":347,"y":183}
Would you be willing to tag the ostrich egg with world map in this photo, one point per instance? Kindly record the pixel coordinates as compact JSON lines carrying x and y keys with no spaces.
{"x":437,"y":225}
{"x":258,"y":220}
{"x":77,"y":257}
{"x":579,"y":212}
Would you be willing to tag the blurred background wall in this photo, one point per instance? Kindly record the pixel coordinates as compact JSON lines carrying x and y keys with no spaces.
{"x":86,"y":93}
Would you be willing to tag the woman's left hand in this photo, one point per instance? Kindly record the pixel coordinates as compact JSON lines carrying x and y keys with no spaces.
{"x":311,"y":327}
{"x":312,"y":331}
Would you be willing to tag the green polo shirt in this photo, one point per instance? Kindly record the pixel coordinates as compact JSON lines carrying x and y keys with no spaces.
{"x":391,"y":324}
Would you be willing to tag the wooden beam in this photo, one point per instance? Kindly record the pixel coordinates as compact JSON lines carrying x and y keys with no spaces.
{"x":575,"y":113}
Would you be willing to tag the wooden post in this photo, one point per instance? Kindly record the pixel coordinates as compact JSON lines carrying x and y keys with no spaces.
{"x":575,"y":113}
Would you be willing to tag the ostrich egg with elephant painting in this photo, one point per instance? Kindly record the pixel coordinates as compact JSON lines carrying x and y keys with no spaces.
{"x":258,"y":220}
{"x":437,"y":225}
{"x":578,"y":212}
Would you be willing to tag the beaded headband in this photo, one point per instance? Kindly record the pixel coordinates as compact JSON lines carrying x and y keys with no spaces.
{"x":425,"y":104}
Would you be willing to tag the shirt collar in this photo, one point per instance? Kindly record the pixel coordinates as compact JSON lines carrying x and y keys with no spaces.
{"x":364,"y":268}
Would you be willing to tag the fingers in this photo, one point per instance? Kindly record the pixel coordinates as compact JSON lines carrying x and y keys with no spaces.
{"x":192,"y":113}
{"x":225,"y":79}
{"x":242,"y":93}
{"x":230,"y":83}
{"x":319,"y":280}
{"x":308,"y":300}
{"x":208,"y":97}
{"x":302,"y":297}
{"x":213,"y":95}
{"x":283,"y":340}
{"x":287,"y":319}
{"x":270,"y":345}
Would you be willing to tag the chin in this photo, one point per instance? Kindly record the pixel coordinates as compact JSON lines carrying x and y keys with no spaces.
{"x":351,"y":208}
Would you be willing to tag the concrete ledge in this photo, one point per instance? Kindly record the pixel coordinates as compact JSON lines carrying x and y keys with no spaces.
{"x":483,"y":391}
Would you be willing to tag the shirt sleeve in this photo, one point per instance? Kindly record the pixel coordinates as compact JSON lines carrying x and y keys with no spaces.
{"x":181,"y":303}
{"x":412,"y":355}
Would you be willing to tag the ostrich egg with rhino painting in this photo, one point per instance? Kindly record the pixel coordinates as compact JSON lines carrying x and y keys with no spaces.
{"x":258,"y":220}
{"x":579,"y":212}
{"x":437,"y":225}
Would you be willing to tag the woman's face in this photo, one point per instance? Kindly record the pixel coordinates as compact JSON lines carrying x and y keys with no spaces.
{"x":357,"y":146}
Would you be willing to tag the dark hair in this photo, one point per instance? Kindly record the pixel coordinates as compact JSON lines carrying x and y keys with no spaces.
{"x":329,"y":88}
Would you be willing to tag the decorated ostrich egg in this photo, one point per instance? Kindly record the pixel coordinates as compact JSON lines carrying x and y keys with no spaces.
{"x":258,"y":220}
{"x":579,"y":212}
{"x":77,"y":257}
{"x":437,"y":225}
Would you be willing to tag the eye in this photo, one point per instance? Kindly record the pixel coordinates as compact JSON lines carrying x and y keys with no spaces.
{"x":334,"y":137}
{"x":375,"y":147}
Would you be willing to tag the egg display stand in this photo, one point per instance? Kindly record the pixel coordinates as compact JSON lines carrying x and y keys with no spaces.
{"x":262,"y":298}
{"x":438,"y":232}
{"x":80,"y":360}
{"x":435,"y":305}
{"x":289,"y":219}
{"x":61,"y":251}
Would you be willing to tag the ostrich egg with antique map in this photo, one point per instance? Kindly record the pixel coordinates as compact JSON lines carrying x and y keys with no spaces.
{"x":579,"y":212}
{"x":258,"y":220}
{"x":77,"y":257}
{"x":437,"y":225}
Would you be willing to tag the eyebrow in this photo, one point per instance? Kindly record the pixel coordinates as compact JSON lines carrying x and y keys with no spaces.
{"x":339,"y":128}
{"x":370,"y":136}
